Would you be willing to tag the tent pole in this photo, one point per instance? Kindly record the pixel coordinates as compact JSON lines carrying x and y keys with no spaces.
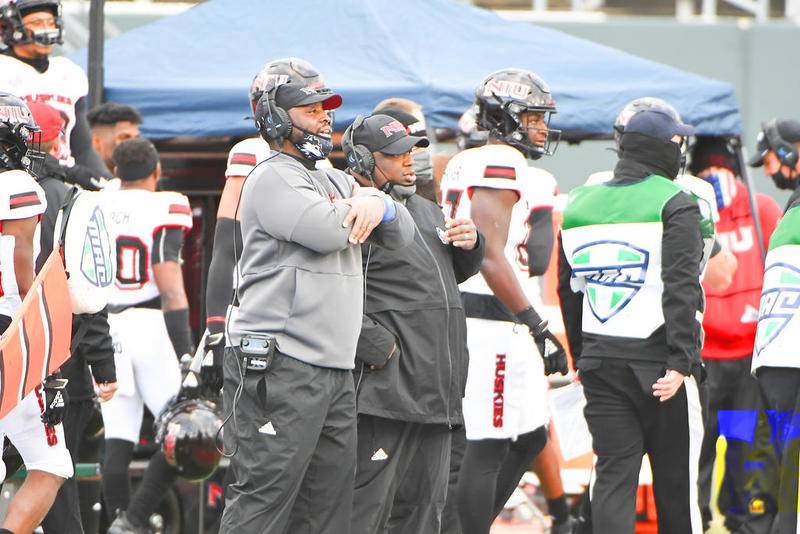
{"x":96,"y":37}
{"x":744,"y":170}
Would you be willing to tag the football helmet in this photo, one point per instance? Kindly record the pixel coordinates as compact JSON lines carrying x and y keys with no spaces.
{"x":18,"y":130}
{"x":286,"y":70}
{"x":12,"y":31}
{"x":187,"y":432}
{"x":503,"y":97}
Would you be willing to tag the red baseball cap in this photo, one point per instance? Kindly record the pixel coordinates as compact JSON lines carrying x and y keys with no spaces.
{"x":48,"y":119}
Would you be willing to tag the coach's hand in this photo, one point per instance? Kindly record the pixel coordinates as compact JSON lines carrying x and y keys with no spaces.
{"x":668,"y":385}
{"x":462,"y":233}
{"x":106,"y":390}
{"x":553,"y":353}
{"x":366,"y":212}
{"x":55,"y":400}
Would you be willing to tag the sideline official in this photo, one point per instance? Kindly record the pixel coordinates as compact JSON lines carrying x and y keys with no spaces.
{"x":411,"y":362}
{"x":287,"y":375}
{"x":629,"y":283}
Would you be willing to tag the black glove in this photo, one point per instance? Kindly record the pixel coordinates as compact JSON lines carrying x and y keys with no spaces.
{"x":211,"y":370}
{"x":553,"y":353}
{"x":55,"y":400}
{"x":551,"y":350}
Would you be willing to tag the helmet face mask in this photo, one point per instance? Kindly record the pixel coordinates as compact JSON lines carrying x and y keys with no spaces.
{"x":13,"y":31}
{"x":18,"y":134}
{"x":503,"y":98}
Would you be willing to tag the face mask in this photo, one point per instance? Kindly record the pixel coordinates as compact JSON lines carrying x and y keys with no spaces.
{"x":423,"y":166}
{"x":403,"y":191}
{"x":724,"y":183}
{"x":784,"y":182}
{"x":313,"y":146}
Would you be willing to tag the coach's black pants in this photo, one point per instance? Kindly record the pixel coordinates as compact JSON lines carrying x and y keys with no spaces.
{"x":401,"y":476}
{"x":780,"y":387}
{"x":749,"y":460}
{"x":451,"y":524}
{"x":64,"y":516}
{"x":626,"y":421}
{"x":296,"y":437}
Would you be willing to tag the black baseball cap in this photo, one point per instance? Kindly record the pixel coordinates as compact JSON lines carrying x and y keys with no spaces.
{"x":788,"y":129}
{"x":292,"y":95}
{"x":382,"y":133}
{"x":657,"y":123}
{"x":414,"y":126}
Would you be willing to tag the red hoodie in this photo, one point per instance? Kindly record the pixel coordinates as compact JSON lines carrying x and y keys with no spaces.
{"x":731,"y":315}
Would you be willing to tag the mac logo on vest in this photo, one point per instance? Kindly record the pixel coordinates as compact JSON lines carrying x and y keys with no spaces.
{"x":779,"y":302}
{"x":614,"y":272}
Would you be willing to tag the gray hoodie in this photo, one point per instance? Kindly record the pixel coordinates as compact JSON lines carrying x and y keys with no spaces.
{"x":301,"y":278}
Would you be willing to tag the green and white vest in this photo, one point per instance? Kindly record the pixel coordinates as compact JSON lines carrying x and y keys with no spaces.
{"x":612,"y":240}
{"x":778,"y":333}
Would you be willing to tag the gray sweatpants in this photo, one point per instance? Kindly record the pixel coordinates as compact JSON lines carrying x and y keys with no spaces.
{"x":401,"y":476}
{"x":296,"y":436}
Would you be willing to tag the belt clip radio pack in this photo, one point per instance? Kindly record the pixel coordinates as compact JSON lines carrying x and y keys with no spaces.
{"x":258,"y":351}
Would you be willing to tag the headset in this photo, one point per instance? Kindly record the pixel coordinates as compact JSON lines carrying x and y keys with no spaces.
{"x":359,"y":159}
{"x":273,"y":122}
{"x":786,"y":152}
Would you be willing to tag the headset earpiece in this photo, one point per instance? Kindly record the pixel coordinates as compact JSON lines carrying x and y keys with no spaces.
{"x":273,"y":122}
{"x":786,"y":152}
{"x":359,"y":158}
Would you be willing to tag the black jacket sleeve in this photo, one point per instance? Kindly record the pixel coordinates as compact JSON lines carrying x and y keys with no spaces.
{"x":540,"y":240}
{"x":571,"y":306}
{"x":467,"y":263}
{"x":681,"y":251}
{"x":219,"y":288}
{"x":96,"y":346}
{"x":80,"y":142}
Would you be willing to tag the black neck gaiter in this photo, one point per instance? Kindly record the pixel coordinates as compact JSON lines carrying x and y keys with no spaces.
{"x":41,"y":64}
{"x":642,"y":155}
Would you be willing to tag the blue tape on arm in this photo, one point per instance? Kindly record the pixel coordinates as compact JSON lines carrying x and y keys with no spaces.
{"x":390,"y":211}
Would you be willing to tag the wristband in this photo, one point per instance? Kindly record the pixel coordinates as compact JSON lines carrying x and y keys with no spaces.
{"x":389,"y":211}
{"x":532,"y":320}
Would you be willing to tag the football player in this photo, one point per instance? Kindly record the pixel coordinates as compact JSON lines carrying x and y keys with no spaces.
{"x":243,"y":157}
{"x":505,"y":401}
{"x":149,"y":320}
{"x":30,"y":29}
{"x":37,"y":434}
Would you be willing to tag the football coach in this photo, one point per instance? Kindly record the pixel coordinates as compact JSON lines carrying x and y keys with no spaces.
{"x":287,"y":375}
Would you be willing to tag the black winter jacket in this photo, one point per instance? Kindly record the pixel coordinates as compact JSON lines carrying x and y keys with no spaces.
{"x":412,"y":307}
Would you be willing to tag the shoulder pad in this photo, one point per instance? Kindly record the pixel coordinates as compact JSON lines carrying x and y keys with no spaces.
{"x":72,"y":71}
{"x":20,"y":196}
{"x":491,"y":166}
{"x":704,"y":191}
{"x":245,"y":155}
{"x":175,"y":209}
{"x":539,"y":188}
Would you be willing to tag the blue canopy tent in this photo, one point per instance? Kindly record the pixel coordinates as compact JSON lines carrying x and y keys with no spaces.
{"x":188,"y":74}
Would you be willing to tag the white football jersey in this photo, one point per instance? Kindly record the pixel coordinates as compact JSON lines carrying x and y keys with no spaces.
{"x":137,"y":215}
{"x":245,"y":155}
{"x":60,"y":86}
{"x":248,"y":153}
{"x":499,"y":167}
{"x":20,"y":198}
